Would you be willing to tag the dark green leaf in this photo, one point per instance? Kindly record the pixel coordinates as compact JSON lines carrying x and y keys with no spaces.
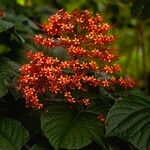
{"x":99,"y":106}
{"x":8,"y":70}
{"x":101,"y":102}
{"x":20,"y":38}
{"x":12,"y":134}
{"x":22,"y":23}
{"x":129,"y":119}
{"x":5,"y":25}
{"x":40,"y":147}
{"x":69,"y":128}
{"x":36,"y":147}
{"x":140,"y":8}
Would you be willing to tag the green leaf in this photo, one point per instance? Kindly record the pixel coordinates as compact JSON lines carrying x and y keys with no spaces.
{"x":36,"y":147}
{"x":69,"y":128}
{"x":12,"y":134}
{"x":129,"y":119}
{"x":8,"y":71}
{"x":20,"y":38}
{"x":41,"y":147}
{"x":101,"y":102}
{"x":5,"y":25}
{"x":99,"y":105}
{"x":22,"y":23}
{"x":140,"y":8}
{"x":3,"y":90}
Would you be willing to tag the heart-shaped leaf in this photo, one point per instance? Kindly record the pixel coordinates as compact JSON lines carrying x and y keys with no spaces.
{"x":70,"y":128}
{"x":129,"y":119}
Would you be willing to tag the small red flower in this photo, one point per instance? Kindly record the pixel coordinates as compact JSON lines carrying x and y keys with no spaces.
{"x":101,"y":118}
{"x":2,"y":13}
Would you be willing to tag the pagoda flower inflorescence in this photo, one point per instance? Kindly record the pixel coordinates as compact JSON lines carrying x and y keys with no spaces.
{"x":85,"y":38}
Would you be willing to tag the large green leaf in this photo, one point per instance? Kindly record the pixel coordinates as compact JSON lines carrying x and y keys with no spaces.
{"x":5,"y":25}
{"x":69,"y":128}
{"x":8,"y":70}
{"x":129,"y":119}
{"x":12,"y":134}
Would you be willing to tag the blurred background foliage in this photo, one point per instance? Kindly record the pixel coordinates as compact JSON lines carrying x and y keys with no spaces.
{"x":20,"y":20}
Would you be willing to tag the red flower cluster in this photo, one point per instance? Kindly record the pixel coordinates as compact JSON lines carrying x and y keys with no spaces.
{"x":85,"y":39}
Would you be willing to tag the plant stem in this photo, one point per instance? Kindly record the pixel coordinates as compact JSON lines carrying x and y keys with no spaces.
{"x":140,"y":46}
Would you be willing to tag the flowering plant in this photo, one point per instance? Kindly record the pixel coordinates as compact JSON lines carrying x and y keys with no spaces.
{"x":86,"y":40}
{"x":90,"y":66}
{"x":80,"y":101}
